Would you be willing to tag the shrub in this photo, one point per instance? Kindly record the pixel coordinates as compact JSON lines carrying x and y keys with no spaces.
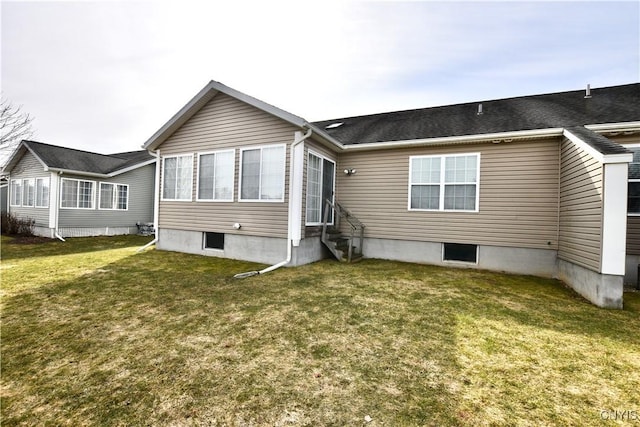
{"x":14,"y":226}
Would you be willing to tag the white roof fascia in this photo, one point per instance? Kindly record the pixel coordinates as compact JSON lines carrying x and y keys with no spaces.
{"x":487,"y":137}
{"x":130,"y":168}
{"x":331,"y":142}
{"x":205,"y":95}
{"x":602,"y":158}
{"x":615,"y":127}
{"x":73,"y":172}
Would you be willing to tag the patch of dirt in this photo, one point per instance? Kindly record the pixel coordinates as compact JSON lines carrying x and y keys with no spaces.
{"x":30,"y":240}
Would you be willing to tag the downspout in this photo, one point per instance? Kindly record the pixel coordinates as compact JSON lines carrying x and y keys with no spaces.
{"x":156,"y":202}
{"x":290,"y":212}
{"x":56,"y":234}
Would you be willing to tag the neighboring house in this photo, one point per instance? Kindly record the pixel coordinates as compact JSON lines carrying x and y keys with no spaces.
{"x":533,"y":185}
{"x":4,"y":198}
{"x":72,"y":193}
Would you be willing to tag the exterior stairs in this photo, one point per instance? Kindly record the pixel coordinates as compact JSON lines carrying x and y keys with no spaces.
{"x":345,"y":237}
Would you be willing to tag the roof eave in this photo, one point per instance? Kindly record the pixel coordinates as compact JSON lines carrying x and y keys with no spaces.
{"x":496,"y":137}
{"x":132,"y":167}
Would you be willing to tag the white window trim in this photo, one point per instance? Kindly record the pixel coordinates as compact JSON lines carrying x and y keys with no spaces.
{"x":93,"y":194}
{"x":114,"y":198}
{"x":442,"y":183}
{"x":333,"y":190}
{"x":171,"y":156}
{"x":233,"y":174}
{"x":36,"y":193}
{"x":11,"y":189}
{"x":24,"y":189}
{"x":284,"y":174}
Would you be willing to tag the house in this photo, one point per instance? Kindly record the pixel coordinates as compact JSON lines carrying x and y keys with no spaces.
{"x":532,"y":185}
{"x":72,"y":193}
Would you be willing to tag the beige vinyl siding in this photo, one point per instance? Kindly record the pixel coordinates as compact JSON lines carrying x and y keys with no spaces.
{"x":580,"y":207}
{"x":140,"y":203}
{"x":29,"y":167}
{"x":633,"y":235}
{"x":226,"y":123}
{"x":518,"y":203}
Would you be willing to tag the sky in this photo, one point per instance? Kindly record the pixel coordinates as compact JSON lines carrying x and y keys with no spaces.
{"x":104,"y":76}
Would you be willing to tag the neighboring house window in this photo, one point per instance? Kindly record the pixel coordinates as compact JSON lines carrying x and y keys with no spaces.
{"x":215,"y":176}
{"x":29,"y":190}
{"x":262,"y":176}
{"x":77,"y":194}
{"x":320,"y":187}
{"x":16,"y":192}
{"x":633,"y":194}
{"x":42,"y":192}
{"x":444,"y":183}
{"x":114,"y":196}
{"x":177,"y":178}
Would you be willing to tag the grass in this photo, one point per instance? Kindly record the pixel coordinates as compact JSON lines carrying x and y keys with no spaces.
{"x":94,"y":333}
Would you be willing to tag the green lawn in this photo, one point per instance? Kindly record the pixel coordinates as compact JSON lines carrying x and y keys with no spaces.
{"x":94,"y":333}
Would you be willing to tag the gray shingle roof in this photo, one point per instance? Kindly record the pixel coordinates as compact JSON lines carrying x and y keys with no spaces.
{"x":597,"y":141}
{"x":84,"y":161}
{"x":556,"y":110}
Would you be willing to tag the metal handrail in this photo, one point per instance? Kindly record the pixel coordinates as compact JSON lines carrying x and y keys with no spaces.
{"x":355,"y":224}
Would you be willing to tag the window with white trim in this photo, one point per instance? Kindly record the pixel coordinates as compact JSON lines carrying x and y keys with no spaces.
{"x":29,"y":190}
{"x":262,"y":173}
{"x":114,"y":196}
{"x":177,"y":177}
{"x":633,"y":193}
{"x":77,"y":194}
{"x":16,"y":192}
{"x":320,"y":187}
{"x":42,"y":192}
{"x":444,"y":183}
{"x":215,"y":175}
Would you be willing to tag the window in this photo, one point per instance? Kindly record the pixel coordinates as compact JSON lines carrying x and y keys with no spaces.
{"x":177,"y":176}
{"x":16,"y":192}
{"x":77,"y":194}
{"x":213,"y":240}
{"x":42,"y":192}
{"x":633,"y":195}
{"x":215,"y":176}
{"x":114,"y":196}
{"x":444,"y":183}
{"x":320,"y":187}
{"x":262,"y":174}
{"x":460,"y":252}
{"x":28,"y":188}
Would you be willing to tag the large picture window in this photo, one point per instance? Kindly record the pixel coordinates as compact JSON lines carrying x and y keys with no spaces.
{"x":262,"y":174}
{"x":42,"y":192}
{"x":16,"y":192}
{"x":114,"y":196}
{"x":444,"y":183}
{"x":320,"y":187}
{"x":29,"y":192}
{"x":215,"y":175}
{"x":177,"y":177}
{"x":77,"y":194}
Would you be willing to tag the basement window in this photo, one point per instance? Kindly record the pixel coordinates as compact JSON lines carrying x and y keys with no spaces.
{"x":460,"y":252}
{"x":213,"y":240}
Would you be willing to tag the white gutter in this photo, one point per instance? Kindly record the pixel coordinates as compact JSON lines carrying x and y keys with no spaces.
{"x":156,"y":201}
{"x":615,"y":127}
{"x":291,"y":233}
{"x":486,"y":137}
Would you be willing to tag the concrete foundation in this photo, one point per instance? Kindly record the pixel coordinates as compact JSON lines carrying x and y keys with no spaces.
{"x":538,"y":262}
{"x":265,"y":250}
{"x":603,"y":290}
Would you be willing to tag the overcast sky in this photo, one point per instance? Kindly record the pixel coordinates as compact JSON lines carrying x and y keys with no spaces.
{"x":104,"y":76}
